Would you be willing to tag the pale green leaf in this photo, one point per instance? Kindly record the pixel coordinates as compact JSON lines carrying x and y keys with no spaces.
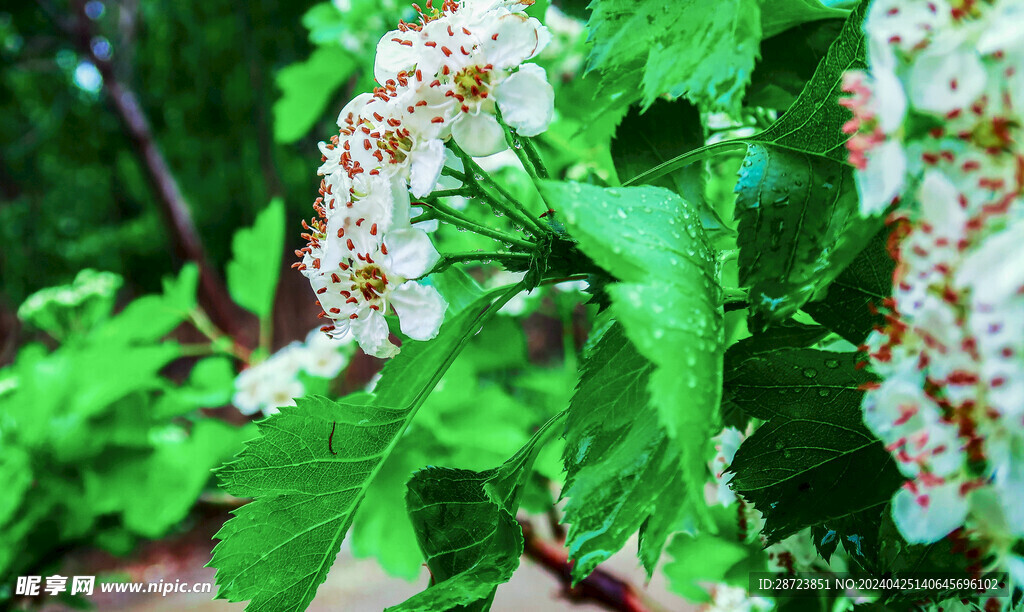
{"x":306,"y":89}
{"x":255,"y":264}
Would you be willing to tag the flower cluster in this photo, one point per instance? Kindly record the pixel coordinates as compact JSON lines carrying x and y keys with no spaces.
{"x":937,"y":141}
{"x":444,"y":77}
{"x":78,"y":305}
{"x":275,"y":382}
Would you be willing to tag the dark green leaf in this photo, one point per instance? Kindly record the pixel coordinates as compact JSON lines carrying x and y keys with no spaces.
{"x":851,"y":306}
{"x":669,"y":302}
{"x":814,"y":460}
{"x":788,"y":61}
{"x":706,"y":55}
{"x":255,"y":264}
{"x":799,"y":226}
{"x":825,"y":541}
{"x":813,"y":123}
{"x":666,"y":129}
{"x":788,"y":334}
{"x":310,"y":468}
{"x":621,"y":469}
{"x":466,"y":527}
{"x":780,"y":15}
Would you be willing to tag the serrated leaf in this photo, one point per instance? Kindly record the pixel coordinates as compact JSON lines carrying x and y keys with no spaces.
{"x":309,"y":469}
{"x":722,"y":557}
{"x":306,"y":89}
{"x":799,"y":225}
{"x":466,"y":527}
{"x":814,"y":460}
{"x":680,"y":48}
{"x":851,"y":305}
{"x":256,"y":260}
{"x":649,"y":138}
{"x":813,"y":124}
{"x":788,"y":61}
{"x":668,"y":301}
{"x":621,"y":469}
{"x":180,"y":291}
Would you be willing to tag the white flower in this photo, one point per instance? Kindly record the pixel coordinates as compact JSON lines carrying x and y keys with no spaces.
{"x":324,"y":356}
{"x":906,"y":24}
{"x":358,"y":290}
{"x":727,"y":598}
{"x":268,"y":385}
{"x":926,"y":514}
{"x":944,"y":81}
{"x":393,"y":132}
{"x":465,"y":62}
{"x":726,"y":444}
{"x":882,"y":178}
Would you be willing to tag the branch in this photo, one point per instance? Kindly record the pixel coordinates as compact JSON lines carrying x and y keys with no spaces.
{"x":599,"y":587}
{"x":173,"y":207}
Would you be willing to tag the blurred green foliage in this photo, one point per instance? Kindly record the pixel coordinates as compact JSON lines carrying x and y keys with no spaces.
{"x":97,"y":445}
{"x":73,"y":192}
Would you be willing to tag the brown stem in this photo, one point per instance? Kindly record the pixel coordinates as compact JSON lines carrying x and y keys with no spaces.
{"x":173,"y":207}
{"x":599,"y":587}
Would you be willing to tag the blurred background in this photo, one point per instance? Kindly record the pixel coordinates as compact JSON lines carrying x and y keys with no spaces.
{"x":141,"y":146}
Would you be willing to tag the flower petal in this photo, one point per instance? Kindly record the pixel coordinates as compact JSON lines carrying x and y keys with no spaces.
{"x":372,"y":333}
{"x":394,"y":57}
{"x":479,"y":135}
{"x":515,"y":38}
{"x":929,"y":514}
{"x":420,"y":310}
{"x":427,"y":161}
{"x":526,"y":100}
{"x":411,"y":253}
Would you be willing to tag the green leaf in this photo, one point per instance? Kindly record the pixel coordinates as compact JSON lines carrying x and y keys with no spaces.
{"x":16,"y":474}
{"x":813,"y":124}
{"x":668,"y":301}
{"x":150,"y":506}
{"x":466,"y":527}
{"x":310,"y":469}
{"x":665,"y":130}
{"x":180,"y":292}
{"x":622,"y":470}
{"x":799,"y":226}
{"x":788,"y":61}
{"x":680,"y":48}
{"x":780,"y":15}
{"x":307,"y":88}
{"x":381,"y":528}
{"x":702,"y":558}
{"x":851,"y":306}
{"x":256,"y":260}
{"x":457,"y":287}
{"x":814,"y":460}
